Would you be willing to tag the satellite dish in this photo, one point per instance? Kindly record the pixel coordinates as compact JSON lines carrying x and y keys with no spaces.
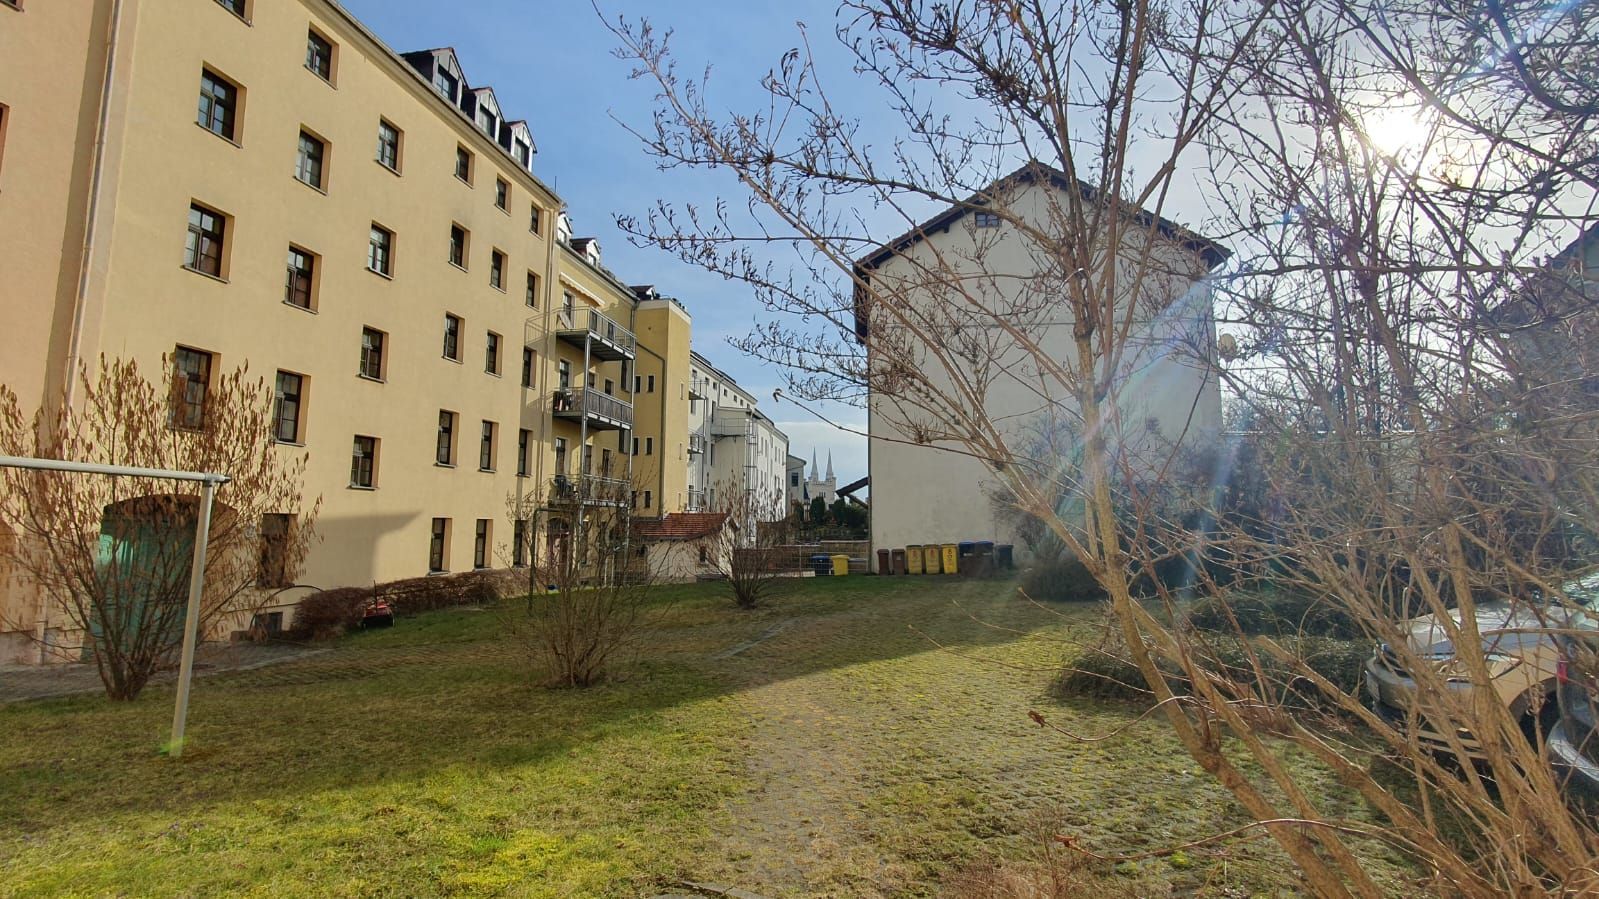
{"x":1227,"y":346}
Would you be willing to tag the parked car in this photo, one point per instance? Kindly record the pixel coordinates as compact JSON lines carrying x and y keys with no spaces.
{"x":1522,"y":654}
{"x":1573,"y":747}
{"x":378,"y":613}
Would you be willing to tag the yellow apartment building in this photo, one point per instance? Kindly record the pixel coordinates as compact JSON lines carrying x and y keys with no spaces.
{"x":227,"y":180}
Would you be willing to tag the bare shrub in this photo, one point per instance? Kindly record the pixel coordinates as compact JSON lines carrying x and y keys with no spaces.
{"x":116,"y":552}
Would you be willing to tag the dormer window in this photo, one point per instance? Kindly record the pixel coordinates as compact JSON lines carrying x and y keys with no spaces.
{"x":489,"y":122}
{"x":522,"y":152}
{"x":987,"y":219}
{"x":446,"y":83}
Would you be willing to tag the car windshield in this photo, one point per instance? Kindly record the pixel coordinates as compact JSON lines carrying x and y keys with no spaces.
{"x":1584,"y":591}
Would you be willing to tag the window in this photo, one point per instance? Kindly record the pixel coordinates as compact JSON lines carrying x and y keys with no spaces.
{"x":987,"y":219}
{"x":649,"y":384}
{"x":308,"y":160}
{"x":438,"y":545}
{"x":207,"y":234}
{"x":463,"y":164}
{"x":793,"y":479}
{"x":458,"y":239}
{"x":497,"y":270}
{"x":191,"y":381}
{"x":489,"y":122}
{"x":527,"y":366}
{"x":389,"y":146}
{"x":567,"y":305}
{"x":560,"y":455}
{"x":480,"y":544}
{"x":452,"y":337}
{"x":219,"y":104}
{"x":287,"y":401}
{"x":522,"y":437}
{"x":269,"y":624}
{"x":485,"y":448}
{"x":380,"y":251}
{"x":445,"y":82}
{"x":502,"y":193}
{"x":364,"y":462}
{"x":523,"y":151}
{"x":519,"y":534}
{"x":565,"y":371}
{"x":535,"y":219}
{"x":273,"y":570}
{"x":298,"y":289}
{"x":372,"y":353}
{"x":234,"y":6}
{"x":319,"y":55}
{"x":635,"y":446}
{"x":532,"y":290}
{"x":638,"y":383}
{"x":491,"y":354}
{"x":647,"y":501}
{"x":5,"y":116}
{"x":444,"y":454}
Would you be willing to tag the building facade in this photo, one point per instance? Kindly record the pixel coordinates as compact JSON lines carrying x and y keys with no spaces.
{"x":1174,"y":399}
{"x":733,"y":446}
{"x":213,"y":183}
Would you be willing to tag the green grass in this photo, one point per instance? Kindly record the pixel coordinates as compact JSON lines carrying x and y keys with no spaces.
{"x":868,"y":737}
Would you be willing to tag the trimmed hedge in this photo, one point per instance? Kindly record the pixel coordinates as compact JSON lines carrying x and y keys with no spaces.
{"x":1275,"y":614}
{"x":331,"y":613}
{"x":1105,"y":671}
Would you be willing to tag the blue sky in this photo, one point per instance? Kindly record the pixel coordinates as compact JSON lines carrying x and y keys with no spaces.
{"x":551,"y":64}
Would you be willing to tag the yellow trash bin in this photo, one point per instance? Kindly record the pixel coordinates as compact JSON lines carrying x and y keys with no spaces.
{"x":930,"y":558}
{"x":913,"y":559}
{"x":840,"y":565}
{"x":949,"y":558}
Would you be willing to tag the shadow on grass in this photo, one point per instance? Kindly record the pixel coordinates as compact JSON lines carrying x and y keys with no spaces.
{"x":447,"y":691}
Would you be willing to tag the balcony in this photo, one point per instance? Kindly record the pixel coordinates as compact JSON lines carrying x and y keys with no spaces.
{"x":699,"y":387}
{"x":589,"y":490}
{"x":604,"y":338}
{"x":731,"y":424}
{"x":602,"y":411}
{"x":696,"y":444}
{"x":696,"y":501}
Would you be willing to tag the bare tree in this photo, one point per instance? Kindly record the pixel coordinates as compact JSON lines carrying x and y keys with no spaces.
{"x":1386,"y":176}
{"x":115,"y":553}
{"x":762,"y":559}
{"x":591,"y":589}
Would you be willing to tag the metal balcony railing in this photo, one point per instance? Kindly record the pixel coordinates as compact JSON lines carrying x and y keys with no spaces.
{"x":699,"y":387}
{"x":588,"y":489}
{"x":605,"y":338}
{"x":696,"y":443}
{"x":601,"y":409}
{"x":731,"y":424}
{"x":696,"y":500}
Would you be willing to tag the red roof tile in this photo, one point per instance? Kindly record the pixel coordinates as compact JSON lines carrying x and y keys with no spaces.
{"x":679,"y":526}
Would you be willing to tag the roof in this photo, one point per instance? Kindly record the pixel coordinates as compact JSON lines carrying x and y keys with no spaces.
{"x":1213,"y":253}
{"x":679,"y":526}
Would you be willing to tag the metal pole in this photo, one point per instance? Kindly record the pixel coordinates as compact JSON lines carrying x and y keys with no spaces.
{"x":191,"y":619}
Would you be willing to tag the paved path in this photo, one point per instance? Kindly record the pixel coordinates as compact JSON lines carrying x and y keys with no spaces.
{"x":24,"y":682}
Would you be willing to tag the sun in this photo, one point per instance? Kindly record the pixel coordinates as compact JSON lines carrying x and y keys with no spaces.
{"x":1397,"y":131}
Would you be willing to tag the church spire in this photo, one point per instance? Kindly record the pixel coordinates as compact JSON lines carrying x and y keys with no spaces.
{"x":814,"y":469}
{"x":829,"y":466}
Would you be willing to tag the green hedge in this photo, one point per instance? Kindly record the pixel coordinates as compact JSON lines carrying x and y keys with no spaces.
{"x":1274,"y":613}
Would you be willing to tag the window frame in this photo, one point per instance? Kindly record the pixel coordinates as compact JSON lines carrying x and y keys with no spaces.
{"x":399,"y":145}
{"x":502,"y":194}
{"x":390,"y":239}
{"x":444,"y":447}
{"x":367,"y":351}
{"x":498,"y":261}
{"x":318,"y":165}
{"x":242,"y":12}
{"x":370,"y":466}
{"x":197,"y":233}
{"x":531,"y":300}
{"x":206,"y":372}
{"x":460,"y":250}
{"x":488,"y":446}
{"x":524,"y":442}
{"x":453,"y":326}
{"x":332,"y":61}
{"x":529,"y":360}
{"x":439,"y":546}
{"x":310,"y":275}
{"x":465,"y":157}
{"x":491,"y":353}
{"x":231,"y":107}
{"x":482,"y":537}
{"x":279,"y":398}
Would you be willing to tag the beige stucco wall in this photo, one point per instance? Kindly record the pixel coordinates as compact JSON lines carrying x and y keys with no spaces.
{"x":664,"y":330}
{"x":937,"y":493}
{"x":143,"y":302}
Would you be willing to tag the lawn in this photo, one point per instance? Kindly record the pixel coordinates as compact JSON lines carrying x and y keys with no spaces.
{"x":860,"y":737}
